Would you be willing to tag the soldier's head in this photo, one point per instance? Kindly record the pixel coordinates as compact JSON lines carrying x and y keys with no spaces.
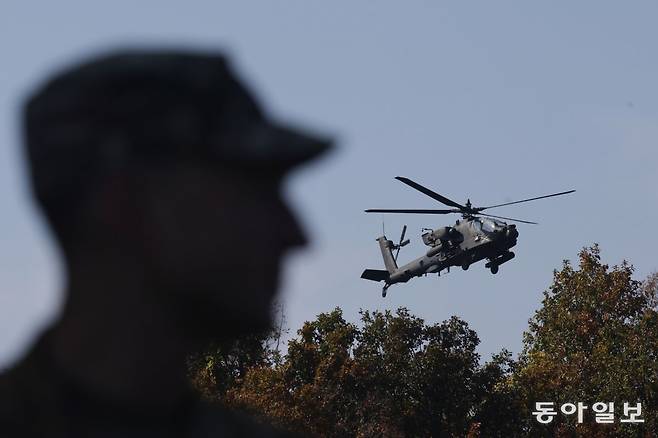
{"x":166,"y":161}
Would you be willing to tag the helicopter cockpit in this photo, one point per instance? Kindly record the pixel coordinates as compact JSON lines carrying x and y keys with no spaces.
{"x":487,"y":226}
{"x":492,"y":225}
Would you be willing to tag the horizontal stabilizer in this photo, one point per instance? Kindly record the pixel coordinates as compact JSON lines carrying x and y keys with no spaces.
{"x":375,"y":275}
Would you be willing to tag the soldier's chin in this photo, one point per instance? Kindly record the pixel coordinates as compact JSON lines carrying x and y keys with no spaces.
{"x":217,"y":318}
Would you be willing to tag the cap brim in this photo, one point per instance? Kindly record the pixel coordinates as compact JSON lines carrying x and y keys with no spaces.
{"x":279,"y":147}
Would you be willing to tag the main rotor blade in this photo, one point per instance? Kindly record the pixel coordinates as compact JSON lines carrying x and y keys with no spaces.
{"x":380,"y":210}
{"x":526,"y":200}
{"x":430,"y":193}
{"x":508,"y":218}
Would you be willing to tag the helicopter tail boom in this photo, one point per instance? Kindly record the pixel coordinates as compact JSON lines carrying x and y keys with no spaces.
{"x":386,"y":246}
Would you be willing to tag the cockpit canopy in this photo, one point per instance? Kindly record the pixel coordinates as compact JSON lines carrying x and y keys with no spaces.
{"x":488,"y":225}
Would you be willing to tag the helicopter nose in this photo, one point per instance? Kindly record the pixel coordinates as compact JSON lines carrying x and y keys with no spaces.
{"x":512,"y":233}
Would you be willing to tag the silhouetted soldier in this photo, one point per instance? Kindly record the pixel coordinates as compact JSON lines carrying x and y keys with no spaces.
{"x":160,"y":178}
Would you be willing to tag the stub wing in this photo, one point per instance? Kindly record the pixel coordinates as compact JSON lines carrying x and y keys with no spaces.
{"x":375,"y":275}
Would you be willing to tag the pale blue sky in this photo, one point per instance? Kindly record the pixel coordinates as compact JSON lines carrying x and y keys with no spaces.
{"x":489,"y":100}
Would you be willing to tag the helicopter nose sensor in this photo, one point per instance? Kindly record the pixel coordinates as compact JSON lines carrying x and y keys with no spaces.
{"x":512,"y":233}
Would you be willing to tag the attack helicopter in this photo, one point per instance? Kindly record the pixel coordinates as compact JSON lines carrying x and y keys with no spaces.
{"x":477,"y":236}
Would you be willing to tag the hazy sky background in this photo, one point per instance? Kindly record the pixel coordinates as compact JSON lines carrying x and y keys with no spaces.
{"x":494,"y":101}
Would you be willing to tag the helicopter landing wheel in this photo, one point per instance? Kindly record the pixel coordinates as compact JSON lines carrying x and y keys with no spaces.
{"x":494,"y":269}
{"x":384,"y":291}
{"x":465,"y":266}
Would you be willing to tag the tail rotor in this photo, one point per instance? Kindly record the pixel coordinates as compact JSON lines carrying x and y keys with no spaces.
{"x":401,"y":243}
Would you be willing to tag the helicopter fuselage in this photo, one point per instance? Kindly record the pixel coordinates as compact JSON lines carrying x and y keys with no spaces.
{"x":476,"y":237}
{"x":468,"y":241}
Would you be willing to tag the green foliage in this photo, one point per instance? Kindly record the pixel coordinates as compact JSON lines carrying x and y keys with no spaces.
{"x":393,"y":376}
{"x":224,"y":365}
{"x":594,"y":339}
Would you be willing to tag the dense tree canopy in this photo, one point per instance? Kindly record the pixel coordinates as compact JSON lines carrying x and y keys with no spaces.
{"x":393,"y":375}
{"x":593,"y":339}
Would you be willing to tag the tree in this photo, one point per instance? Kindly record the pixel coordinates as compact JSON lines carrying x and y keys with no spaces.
{"x":595,"y":339}
{"x":393,"y":376}
{"x":222,"y":365}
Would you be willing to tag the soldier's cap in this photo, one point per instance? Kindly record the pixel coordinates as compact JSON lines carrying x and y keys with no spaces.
{"x":153,"y":105}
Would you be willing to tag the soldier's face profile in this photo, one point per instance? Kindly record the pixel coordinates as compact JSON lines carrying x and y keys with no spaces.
{"x":214,"y":240}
